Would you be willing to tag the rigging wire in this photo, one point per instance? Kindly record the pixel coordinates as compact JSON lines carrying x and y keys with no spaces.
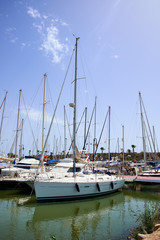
{"x":69,"y":129}
{"x":76,"y":130}
{"x":100,"y":135}
{"x":148,"y":124}
{"x":11,"y":149}
{"x":14,"y":141}
{"x":46,"y":140}
{"x":35,"y":95}
{"x":29,"y":123}
{"x":49,"y":90}
{"x":148,"y":137}
{"x":88,"y":128}
{"x":3,"y":100}
{"x":86,"y":64}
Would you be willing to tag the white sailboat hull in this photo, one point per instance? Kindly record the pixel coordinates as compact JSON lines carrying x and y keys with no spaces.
{"x":75,"y":188}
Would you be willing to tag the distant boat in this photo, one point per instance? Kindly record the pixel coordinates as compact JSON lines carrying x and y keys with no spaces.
{"x":79,"y":185}
{"x":3,"y":166}
{"x":154,"y":172}
{"x":26,"y":164}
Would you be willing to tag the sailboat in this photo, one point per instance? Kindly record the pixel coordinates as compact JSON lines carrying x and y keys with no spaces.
{"x":149,"y":170}
{"x":26,"y":164}
{"x":78,"y":185}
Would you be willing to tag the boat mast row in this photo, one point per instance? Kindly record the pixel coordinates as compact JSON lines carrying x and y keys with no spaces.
{"x":75,"y":108}
{"x":20,"y":93}
{"x":3,"y":104}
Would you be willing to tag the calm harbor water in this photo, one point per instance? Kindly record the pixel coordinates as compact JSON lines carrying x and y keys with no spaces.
{"x":109,"y":217}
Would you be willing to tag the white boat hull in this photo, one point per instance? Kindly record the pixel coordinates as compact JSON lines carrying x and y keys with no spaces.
{"x":74,"y":189}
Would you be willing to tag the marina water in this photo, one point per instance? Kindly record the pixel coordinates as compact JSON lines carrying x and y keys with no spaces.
{"x":110,"y":217}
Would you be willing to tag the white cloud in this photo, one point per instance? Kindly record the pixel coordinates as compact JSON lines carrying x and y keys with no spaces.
{"x":36,"y":116}
{"x":10,"y":30}
{"x":64,"y":23}
{"x":38,"y":27}
{"x":115,"y":56}
{"x":14,"y":40}
{"x":11,"y":34}
{"x":52,"y":45}
{"x":45,"y":17}
{"x":33,"y":12}
{"x":49,"y":34}
{"x":23,"y":44}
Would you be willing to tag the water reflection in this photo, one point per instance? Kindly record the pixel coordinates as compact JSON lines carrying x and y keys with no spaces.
{"x":44,"y":212}
{"x":109,"y":217}
{"x":148,"y":192}
{"x":151,"y":188}
{"x":75,"y":220}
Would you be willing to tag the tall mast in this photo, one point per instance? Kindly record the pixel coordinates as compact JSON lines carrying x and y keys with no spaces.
{"x":43,"y":127}
{"x":109,"y":137}
{"x":44,"y":103}
{"x":118,"y":144}
{"x":75,"y":108}
{"x":4,"y":102}
{"x":87,"y":135}
{"x":123,"y":141}
{"x":59,"y":152}
{"x":65,"y":132}
{"x":143,"y":131}
{"x":20,"y":92}
{"x":85,"y":123}
{"x":148,"y":125}
{"x":57,"y":146}
{"x":154,"y":143}
{"x":94,"y":140}
{"x":21,"y":145}
{"x":95,"y":115}
{"x":54,"y":144}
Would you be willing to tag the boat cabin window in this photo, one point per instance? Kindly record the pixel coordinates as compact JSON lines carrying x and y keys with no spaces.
{"x":78,"y":169}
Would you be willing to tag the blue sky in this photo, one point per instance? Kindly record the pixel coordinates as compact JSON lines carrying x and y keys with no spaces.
{"x":118,"y":57}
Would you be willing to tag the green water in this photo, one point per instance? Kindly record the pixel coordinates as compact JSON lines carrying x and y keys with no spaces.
{"x":109,"y":217}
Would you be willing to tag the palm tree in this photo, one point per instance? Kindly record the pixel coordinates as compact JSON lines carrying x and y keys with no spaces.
{"x":11,"y":155}
{"x":129,"y":151}
{"x":51,"y":155}
{"x":133,"y":147}
{"x":102,"y":149}
{"x":37,"y":152}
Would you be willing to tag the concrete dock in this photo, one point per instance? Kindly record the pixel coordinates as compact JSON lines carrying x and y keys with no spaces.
{"x":141,"y":179}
